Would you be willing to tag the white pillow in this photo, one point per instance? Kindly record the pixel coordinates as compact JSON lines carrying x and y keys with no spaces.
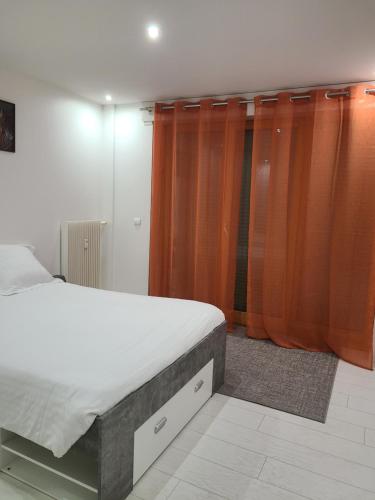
{"x":27,"y":245}
{"x":20,"y":270}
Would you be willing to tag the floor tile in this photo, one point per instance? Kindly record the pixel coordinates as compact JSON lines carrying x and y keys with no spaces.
{"x":361,"y":404}
{"x":222,"y":453}
{"x":331,"y":426}
{"x":215,"y":404}
{"x":365,"y":381}
{"x":223,"y":484}
{"x":370,"y":437}
{"x":339,"y":399}
{"x":354,"y":389}
{"x":308,"y":484}
{"x":187,"y":439}
{"x":10,"y":489}
{"x":342,"y":448}
{"x":170,"y":461}
{"x":295,"y":454}
{"x":348,"y":370}
{"x":352,"y":416}
{"x":201,"y":422}
{"x":259,"y":490}
{"x":185,"y":491}
{"x":155,"y":485}
{"x":213,"y":477}
{"x":233,"y":414}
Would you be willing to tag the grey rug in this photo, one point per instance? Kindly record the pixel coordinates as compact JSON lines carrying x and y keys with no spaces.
{"x":290,"y":380}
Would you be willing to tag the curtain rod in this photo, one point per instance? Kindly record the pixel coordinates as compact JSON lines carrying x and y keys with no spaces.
{"x":265,"y":99}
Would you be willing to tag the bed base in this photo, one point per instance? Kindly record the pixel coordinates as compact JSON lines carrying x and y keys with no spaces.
{"x":108,"y":446}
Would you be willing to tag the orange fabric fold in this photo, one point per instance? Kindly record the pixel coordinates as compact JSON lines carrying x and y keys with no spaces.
{"x":311,"y":281}
{"x":196,"y":181}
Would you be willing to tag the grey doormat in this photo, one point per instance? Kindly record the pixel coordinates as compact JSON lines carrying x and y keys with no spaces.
{"x":290,"y":380}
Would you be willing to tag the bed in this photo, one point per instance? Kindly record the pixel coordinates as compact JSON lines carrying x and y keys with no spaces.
{"x":96,"y":384}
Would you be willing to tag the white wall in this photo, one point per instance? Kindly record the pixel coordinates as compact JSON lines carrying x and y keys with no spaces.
{"x":132,"y":180}
{"x":57,"y":170}
{"x":133,"y":158}
{"x":106,"y":195}
{"x":77,"y":160}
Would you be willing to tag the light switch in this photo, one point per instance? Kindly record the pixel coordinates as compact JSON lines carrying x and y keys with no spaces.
{"x":137,"y":221}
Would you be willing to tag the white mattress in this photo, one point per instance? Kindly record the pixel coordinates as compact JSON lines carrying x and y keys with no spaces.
{"x":70,"y":353}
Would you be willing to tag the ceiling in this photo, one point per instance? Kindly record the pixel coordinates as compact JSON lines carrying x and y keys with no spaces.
{"x":207,"y":47}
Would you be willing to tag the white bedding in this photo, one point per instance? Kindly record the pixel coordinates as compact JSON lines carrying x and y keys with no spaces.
{"x":70,"y":353}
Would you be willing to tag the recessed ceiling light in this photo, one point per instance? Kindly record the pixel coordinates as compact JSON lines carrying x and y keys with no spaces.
{"x":153,"y":31}
{"x":108,"y":98}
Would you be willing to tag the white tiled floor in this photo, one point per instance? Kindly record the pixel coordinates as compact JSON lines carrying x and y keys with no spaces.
{"x":237,"y":450}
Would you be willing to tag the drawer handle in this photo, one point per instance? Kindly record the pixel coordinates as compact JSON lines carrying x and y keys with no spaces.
{"x":158,"y":427}
{"x":199,"y":385}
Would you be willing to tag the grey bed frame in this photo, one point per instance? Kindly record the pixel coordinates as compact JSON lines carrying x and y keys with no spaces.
{"x":110,"y":440}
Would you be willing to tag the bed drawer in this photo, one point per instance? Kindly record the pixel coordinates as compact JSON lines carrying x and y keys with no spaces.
{"x":151,"y":439}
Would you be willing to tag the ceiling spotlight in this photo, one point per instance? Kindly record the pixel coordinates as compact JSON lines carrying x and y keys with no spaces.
{"x":108,"y":98}
{"x":153,"y":31}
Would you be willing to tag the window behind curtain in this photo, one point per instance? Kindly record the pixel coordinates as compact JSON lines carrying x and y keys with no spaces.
{"x":240,"y":297}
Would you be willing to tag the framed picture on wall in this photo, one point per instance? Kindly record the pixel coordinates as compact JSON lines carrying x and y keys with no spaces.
{"x":7,"y":126}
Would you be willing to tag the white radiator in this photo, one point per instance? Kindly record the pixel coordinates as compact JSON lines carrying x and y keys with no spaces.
{"x":81,"y":252}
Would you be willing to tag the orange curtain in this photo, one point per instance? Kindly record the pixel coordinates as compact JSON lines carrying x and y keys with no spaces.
{"x":196,"y":182}
{"x":312,"y":224}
